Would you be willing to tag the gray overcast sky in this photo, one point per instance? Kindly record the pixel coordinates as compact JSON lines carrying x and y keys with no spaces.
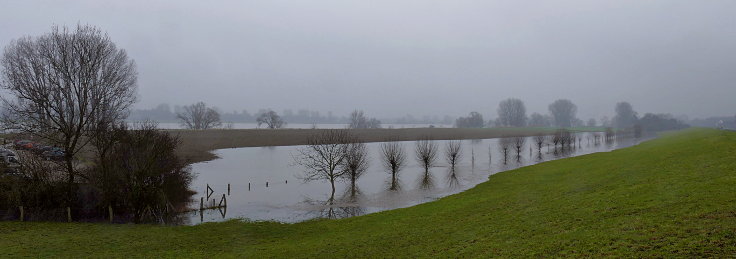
{"x":419,"y":57}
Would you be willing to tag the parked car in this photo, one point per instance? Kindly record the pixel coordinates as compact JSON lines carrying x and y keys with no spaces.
{"x":40,"y":149}
{"x":54,"y":154}
{"x":25,"y":145}
{"x":9,"y":161}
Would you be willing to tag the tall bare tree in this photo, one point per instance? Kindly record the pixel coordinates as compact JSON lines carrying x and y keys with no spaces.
{"x":323,"y":155}
{"x":67,"y":84}
{"x":563,"y":112}
{"x":453,"y":152}
{"x":394,"y":158}
{"x":271,"y":119}
{"x":511,"y":113}
{"x":199,"y":117}
{"x":625,"y":115}
{"x":426,"y":153}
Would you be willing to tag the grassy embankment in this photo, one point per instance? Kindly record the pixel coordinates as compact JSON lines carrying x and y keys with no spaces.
{"x":197,"y":144}
{"x":673,"y":196}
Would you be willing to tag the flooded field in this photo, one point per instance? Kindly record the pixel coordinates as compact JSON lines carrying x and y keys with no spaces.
{"x":239,"y":125}
{"x":265,"y":183}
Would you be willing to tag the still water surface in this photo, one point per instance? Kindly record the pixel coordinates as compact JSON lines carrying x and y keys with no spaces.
{"x":289,"y":199}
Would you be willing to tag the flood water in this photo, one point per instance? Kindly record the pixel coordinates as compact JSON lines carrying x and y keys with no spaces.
{"x":241,"y":125}
{"x":287,"y":198}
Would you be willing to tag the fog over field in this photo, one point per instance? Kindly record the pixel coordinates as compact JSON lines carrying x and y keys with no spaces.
{"x":391,"y":58}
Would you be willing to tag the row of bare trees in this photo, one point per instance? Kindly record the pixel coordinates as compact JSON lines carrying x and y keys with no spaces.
{"x":199,"y":116}
{"x":333,"y":155}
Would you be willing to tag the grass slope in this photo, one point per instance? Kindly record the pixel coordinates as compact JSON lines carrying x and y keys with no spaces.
{"x":674,"y":196}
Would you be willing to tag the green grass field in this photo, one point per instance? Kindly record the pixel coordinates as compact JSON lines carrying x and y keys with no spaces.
{"x":670,"y":197}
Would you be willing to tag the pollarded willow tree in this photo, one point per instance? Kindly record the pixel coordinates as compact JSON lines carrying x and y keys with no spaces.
{"x":199,"y":117}
{"x":453,"y":152}
{"x":355,"y":163}
{"x":67,"y":84}
{"x":426,"y":153}
{"x":393,"y":157}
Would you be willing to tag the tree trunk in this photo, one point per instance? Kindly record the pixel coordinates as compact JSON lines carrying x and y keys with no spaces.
{"x":70,"y":182}
{"x":332,"y":195}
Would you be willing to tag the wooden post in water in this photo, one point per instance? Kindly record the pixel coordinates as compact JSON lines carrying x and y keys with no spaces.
{"x":68,"y":214}
{"x":248,"y":186}
{"x":223,"y":201}
{"x":209,"y":191}
{"x":228,"y":189}
{"x":21,"y":213}
{"x":266,"y":184}
{"x":109,"y":208}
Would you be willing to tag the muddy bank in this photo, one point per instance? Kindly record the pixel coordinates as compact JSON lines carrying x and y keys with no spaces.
{"x":197,"y":144}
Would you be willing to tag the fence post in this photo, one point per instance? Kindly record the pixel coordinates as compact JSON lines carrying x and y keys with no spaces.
{"x":223,"y":201}
{"x":21,"y":213}
{"x":68,"y":214}
{"x":109,"y":208}
{"x":201,"y":203}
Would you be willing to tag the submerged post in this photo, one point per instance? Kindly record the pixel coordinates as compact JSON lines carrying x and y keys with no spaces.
{"x":223,"y":201}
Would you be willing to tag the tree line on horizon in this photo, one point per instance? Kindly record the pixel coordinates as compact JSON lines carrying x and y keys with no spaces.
{"x":562,"y":113}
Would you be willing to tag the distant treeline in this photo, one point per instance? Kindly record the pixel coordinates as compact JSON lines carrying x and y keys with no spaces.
{"x":167,"y":113}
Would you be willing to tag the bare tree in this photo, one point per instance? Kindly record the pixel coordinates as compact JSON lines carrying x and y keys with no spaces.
{"x":474,"y":120}
{"x":539,"y":120}
{"x":359,"y":121}
{"x":66,"y":83}
{"x":563,"y":112}
{"x":393,"y":157}
{"x":540,"y":141}
{"x":511,"y":113}
{"x":518,"y":144}
{"x":271,"y":119}
{"x":453,"y":152}
{"x":355,"y":163}
{"x":426,"y":152}
{"x":199,"y":117}
{"x":504,"y":145}
{"x":323,"y":156}
{"x":625,"y":115}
